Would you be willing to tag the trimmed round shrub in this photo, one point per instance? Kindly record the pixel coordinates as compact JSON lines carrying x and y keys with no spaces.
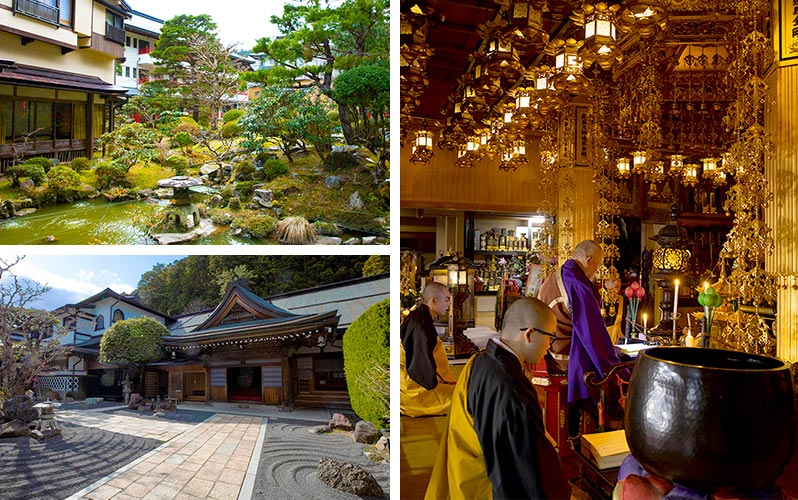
{"x":188,"y":125}
{"x":184,"y":139}
{"x":134,"y":341}
{"x":31,"y":171}
{"x":45,"y":163}
{"x":367,"y":360}
{"x":80,"y":164}
{"x":231,"y":129}
{"x":62,"y":177}
{"x":178,"y":163}
{"x":254,"y":225}
{"x":109,"y":174}
{"x":232,"y":115}
{"x":274,"y":168}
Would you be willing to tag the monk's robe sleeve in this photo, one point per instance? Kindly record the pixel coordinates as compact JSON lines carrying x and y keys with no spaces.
{"x":419,"y":339}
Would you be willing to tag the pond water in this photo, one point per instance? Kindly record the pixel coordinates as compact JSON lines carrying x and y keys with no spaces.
{"x":94,"y":222}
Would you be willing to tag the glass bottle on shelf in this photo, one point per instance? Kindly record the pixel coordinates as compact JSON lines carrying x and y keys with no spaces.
{"x":511,"y":243}
{"x":522,"y":244}
{"x":503,"y":240}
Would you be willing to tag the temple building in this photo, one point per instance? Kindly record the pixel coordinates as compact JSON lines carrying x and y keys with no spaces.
{"x":282,"y":350}
{"x":57,"y":66}
{"x":664,"y":130}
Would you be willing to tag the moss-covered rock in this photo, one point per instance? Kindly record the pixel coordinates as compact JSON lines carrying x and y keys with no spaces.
{"x":254,"y":225}
{"x":327,"y":228}
{"x":367,"y":362}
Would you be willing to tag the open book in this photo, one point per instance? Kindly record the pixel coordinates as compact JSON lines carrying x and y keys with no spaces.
{"x":606,"y":449}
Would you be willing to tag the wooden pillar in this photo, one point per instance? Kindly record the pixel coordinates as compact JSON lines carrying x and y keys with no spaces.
{"x":288,"y":382}
{"x":90,"y":126}
{"x":781,"y":170}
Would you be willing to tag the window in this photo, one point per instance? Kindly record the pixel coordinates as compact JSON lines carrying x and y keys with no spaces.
{"x":44,"y":120}
{"x":63,"y":120}
{"x":127,"y":72}
{"x":135,"y":73}
{"x":99,"y":323}
{"x":114,"y":20}
{"x":127,"y":41}
{"x":65,"y":12}
{"x":118,"y":315}
{"x":135,"y":43}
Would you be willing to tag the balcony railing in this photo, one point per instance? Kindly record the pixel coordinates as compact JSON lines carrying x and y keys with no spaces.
{"x":115,"y":34}
{"x":37,"y":10}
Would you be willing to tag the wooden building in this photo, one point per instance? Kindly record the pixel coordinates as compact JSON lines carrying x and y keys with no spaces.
{"x":284,"y":350}
{"x":57,"y":65}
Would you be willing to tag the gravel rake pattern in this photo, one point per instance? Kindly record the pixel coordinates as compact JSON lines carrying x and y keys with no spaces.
{"x":62,"y":465}
{"x":290,"y":458}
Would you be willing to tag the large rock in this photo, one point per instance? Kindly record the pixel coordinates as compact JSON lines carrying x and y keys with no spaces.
{"x":136,"y":400}
{"x":333,"y":181}
{"x":353,"y":241}
{"x":263,"y":197}
{"x":14,"y":428}
{"x":340,"y":421}
{"x":20,"y":408}
{"x":349,"y":478}
{"x":320,"y":429}
{"x":366,"y":432}
{"x":27,"y":184}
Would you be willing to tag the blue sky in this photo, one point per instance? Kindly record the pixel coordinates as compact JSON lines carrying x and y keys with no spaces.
{"x":74,"y":277}
{"x":239,"y":21}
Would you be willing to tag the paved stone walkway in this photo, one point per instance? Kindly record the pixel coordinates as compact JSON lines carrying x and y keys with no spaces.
{"x":213,"y":459}
{"x":114,"y":422}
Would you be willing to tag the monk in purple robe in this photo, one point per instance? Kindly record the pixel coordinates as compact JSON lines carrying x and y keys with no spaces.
{"x":583,"y":343}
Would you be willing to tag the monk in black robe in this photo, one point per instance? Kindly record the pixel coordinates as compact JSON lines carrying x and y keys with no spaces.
{"x":495,"y":445}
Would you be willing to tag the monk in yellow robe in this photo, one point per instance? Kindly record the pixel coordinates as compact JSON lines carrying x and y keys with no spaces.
{"x":427,"y":381}
{"x":495,"y":445}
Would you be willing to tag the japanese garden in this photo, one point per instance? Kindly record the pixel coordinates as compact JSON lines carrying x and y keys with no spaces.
{"x":285,"y":143}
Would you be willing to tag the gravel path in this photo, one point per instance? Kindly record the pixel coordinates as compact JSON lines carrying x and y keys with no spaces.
{"x":62,"y":465}
{"x":290,"y":458}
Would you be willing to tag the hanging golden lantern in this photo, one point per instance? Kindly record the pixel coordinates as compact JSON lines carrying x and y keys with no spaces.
{"x":677,"y":164}
{"x":690,"y":177}
{"x":600,"y":36}
{"x":638,"y":161}
{"x":568,"y":74}
{"x":710,"y":168}
{"x":624,"y":170}
{"x":421,"y":152}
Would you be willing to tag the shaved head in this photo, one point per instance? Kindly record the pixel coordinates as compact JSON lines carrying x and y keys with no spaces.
{"x":527,"y":312}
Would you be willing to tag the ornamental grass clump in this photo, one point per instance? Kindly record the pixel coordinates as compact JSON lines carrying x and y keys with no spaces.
{"x":296,"y":231}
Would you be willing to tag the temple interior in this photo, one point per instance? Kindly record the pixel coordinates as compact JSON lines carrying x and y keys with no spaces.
{"x":665,"y":130}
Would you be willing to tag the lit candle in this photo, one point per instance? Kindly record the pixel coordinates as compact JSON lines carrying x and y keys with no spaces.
{"x":675,"y":307}
{"x":645,"y":321}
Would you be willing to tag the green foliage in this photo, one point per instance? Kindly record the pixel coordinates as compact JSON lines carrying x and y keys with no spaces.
{"x":246,"y":189}
{"x":178,"y":163}
{"x":130,"y":144}
{"x":80,"y":164}
{"x":239,"y":272}
{"x":31,"y":171}
{"x":231,"y":129}
{"x":170,"y":288}
{"x":290,"y":116}
{"x":327,"y":228}
{"x":232,"y":115}
{"x":110,"y":174}
{"x":188,"y":125}
{"x":133,"y":341}
{"x":255,"y":225}
{"x":221,"y":217}
{"x":367,"y":362}
{"x":365,"y":90}
{"x":274,"y":168}
{"x":61,"y":178}
{"x":244,"y":170}
{"x":41,"y":161}
{"x":377,"y":264}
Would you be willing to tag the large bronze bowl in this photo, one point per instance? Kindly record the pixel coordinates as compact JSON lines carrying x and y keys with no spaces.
{"x":711,"y":419}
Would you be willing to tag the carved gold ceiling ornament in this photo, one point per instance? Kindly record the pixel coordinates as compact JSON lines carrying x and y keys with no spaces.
{"x":646,"y":17}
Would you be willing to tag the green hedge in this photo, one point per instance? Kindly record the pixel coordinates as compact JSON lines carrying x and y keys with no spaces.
{"x":367,"y":360}
{"x":274,"y":168}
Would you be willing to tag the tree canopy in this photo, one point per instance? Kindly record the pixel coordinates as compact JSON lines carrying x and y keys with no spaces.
{"x":132,"y":342}
{"x":179,"y":287}
{"x":320,"y":37}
